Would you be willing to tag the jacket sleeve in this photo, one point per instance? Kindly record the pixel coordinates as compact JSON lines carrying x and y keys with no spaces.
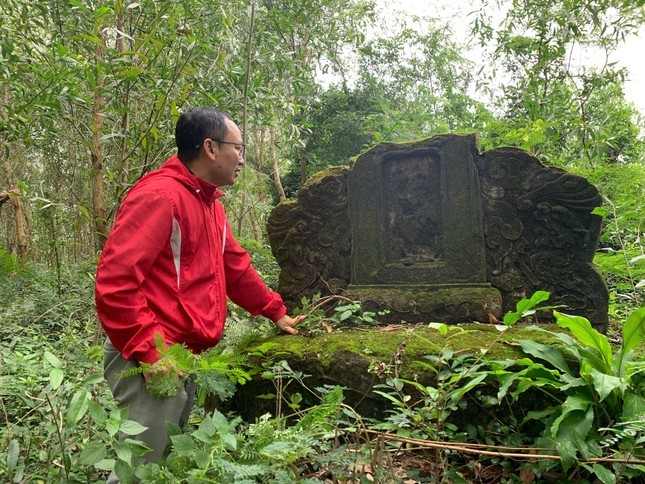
{"x":244,"y":286}
{"x":141,"y":231}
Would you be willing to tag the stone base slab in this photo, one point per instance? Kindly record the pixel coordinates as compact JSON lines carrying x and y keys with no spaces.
{"x":427,"y":303}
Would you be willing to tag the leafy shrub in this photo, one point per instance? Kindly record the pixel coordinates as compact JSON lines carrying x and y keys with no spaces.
{"x":35,"y":300}
{"x":607,"y":389}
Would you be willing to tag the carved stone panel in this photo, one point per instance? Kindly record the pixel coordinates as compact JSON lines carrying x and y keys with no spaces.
{"x":311,"y":238}
{"x":417,"y":237}
{"x":415,"y":213}
{"x":541,"y":233}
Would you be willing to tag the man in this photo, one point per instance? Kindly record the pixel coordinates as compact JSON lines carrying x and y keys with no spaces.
{"x":168,"y":266}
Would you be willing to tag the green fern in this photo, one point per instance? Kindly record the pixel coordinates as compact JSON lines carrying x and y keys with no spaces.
{"x":213,"y":383}
{"x":237,"y":472}
{"x":218,"y":371}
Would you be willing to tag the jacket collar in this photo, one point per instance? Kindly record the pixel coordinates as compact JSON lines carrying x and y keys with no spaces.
{"x":197,"y":185}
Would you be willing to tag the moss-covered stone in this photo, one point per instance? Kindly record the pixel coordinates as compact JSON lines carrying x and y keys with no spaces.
{"x":449,"y":304}
{"x":359,"y":359}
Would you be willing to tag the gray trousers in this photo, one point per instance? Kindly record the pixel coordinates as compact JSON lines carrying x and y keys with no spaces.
{"x":131,"y":393}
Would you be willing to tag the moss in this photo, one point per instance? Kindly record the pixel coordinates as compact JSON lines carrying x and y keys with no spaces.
{"x":287,"y":203}
{"x":379,"y":347}
{"x":360,"y":358}
{"x":333,"y":171}
{"x":468,"y":337}
{"x":449,"y":304}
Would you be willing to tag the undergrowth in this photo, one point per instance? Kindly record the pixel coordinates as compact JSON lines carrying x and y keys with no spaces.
{"x":60,"y":423}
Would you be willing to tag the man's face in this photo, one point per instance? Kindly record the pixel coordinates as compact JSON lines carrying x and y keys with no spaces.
{"x":228,"y":157}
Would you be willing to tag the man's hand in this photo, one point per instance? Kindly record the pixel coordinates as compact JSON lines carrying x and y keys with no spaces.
{"x":160,"y":366}
{"x":286,"y":323}
{"x":162,"y":378}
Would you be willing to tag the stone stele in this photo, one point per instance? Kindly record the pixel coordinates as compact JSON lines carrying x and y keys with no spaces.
{"x":432,"y":230}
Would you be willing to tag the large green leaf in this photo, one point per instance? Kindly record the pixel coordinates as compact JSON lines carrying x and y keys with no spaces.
{"x":540,"y":415}
{"x":573,"y":428}
{"x":182,"y":444}
{"x":56,"y":376}
{"x":574,"y":403}
{"x":531,"y":383}
{"x":229,"y":441}
{"x":634,"y":330}
{"x":105,"y":465}
{"x":462,"y":390}
{"x":53,"y":360}
{"x":586,"y":334}
{"x":633,"y":406}
{"x":394,"y":400}
{"x":633,"y":334}
{"x":604,"y":384}
{"x":206,"y":430}
{"x":124,"y":471}
{"x":605,"y":475}
{"x":546,"y":353}
{"x":78,"y":406}
{"x":97,"y":412}
{"x":13,"y":455}
{"x":130,"y":427}
{"x":591,"y":358}
{"x":123,"y":451}
{"x":203,"y":459}
{"x":525,"y":307}
{"x":92,"y":453}
{"x":506,"y":380}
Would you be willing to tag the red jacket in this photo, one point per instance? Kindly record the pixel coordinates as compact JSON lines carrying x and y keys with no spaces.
{"x":168,"y":265}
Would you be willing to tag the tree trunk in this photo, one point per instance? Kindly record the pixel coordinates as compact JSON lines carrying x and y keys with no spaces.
{"x":125,"y":116}
{"x":245,"y":102}
{"x":274,"y":161}
{"x":98,"y":196}
{"x":259,"y":156}
{"x":303,"y":168}
{"x":21,"y":238}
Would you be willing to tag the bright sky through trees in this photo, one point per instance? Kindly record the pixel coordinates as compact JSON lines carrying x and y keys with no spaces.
{"x":629,"y":56}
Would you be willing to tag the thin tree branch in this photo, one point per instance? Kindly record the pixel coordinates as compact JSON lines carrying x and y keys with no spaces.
{"x":480,"y":449}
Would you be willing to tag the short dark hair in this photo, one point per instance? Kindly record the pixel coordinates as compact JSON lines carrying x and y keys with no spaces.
{"x":194,"y":126}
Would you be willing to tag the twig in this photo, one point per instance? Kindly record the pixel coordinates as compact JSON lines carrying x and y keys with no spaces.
{"x":478,"y":449}
{"x":327,"y":300}
{"x":6,"y":418}
{"x":60,"y":437}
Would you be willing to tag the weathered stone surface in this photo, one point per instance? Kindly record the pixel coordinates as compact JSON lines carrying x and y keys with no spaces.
{"x":446,"y":304}
{"x":415,"y":214}
{"x":541,"y":233}
{"x":311,"y":238}
{"x":360,"y":360}
{"x":433,"y":231}
{"x":417,"y":236}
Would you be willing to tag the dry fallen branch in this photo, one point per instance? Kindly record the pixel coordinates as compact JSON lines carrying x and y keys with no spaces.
{"x":327,"y":300}
{"x":480,"y":449}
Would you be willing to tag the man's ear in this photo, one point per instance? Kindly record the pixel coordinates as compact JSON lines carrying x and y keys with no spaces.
{"x":212,"y":150}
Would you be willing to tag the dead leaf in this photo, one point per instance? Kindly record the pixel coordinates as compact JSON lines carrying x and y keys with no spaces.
{"x":492,"y":319}
{"x":511,"y":343}
{"x":527,"y":476}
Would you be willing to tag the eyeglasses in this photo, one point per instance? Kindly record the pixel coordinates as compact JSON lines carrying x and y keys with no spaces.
{"x":240,"y":147}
